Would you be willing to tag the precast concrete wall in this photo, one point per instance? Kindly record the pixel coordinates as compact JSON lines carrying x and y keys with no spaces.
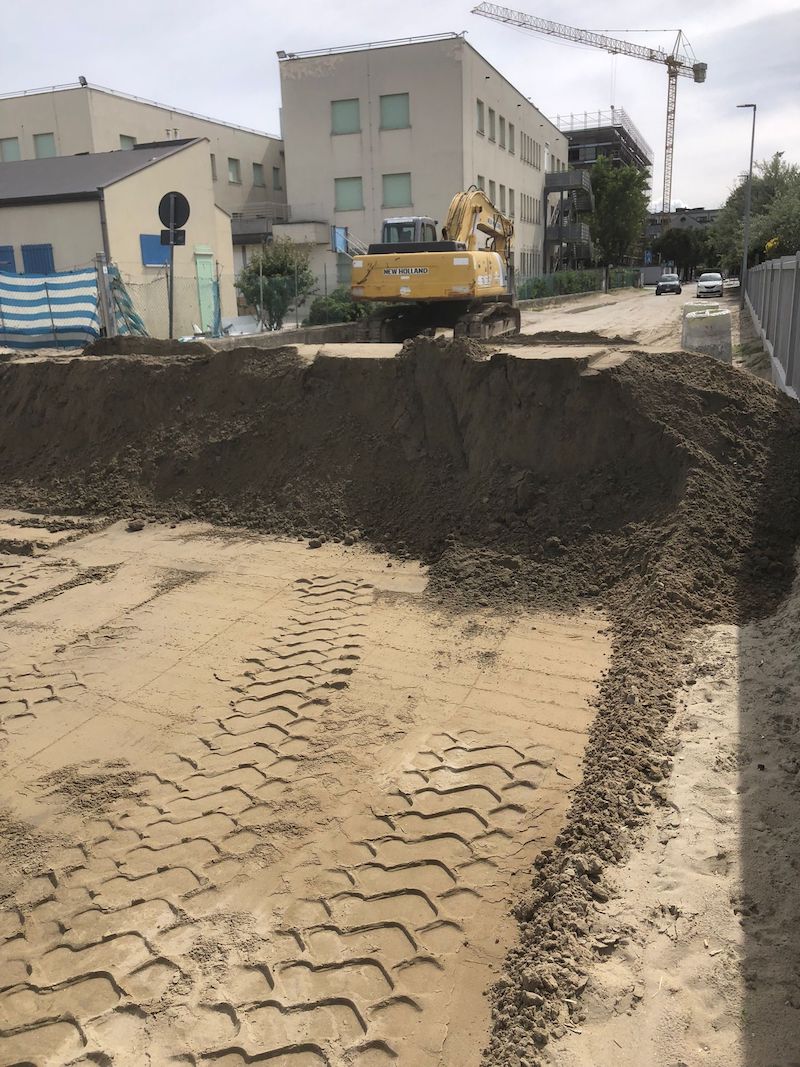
{"x":773,"y":298}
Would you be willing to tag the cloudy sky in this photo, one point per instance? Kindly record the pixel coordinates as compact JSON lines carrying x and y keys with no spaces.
{"x":219,"y":59}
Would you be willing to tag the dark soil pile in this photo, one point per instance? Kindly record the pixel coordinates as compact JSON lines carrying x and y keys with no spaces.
{"x":664,"y":490}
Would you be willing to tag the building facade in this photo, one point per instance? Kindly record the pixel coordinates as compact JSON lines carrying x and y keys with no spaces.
{"x":688,"y":218}
{"x":246,"y":166}
{"x":398,"y":128}
{"x":610,"y":134}
{"x":57,"y":213}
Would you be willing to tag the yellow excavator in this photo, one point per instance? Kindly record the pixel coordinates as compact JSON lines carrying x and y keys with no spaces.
{"x":422,"y":282}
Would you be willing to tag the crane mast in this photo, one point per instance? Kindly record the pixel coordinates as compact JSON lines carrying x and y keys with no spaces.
{"x":680,"y":62}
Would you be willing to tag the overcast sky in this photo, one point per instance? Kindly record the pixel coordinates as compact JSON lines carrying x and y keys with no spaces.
{"x":219,"y":59}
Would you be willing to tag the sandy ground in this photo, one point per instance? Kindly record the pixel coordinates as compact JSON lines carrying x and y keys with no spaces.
{"x":698,"y":955}
{"x":259,"y":800}
{"x":264,"y":804}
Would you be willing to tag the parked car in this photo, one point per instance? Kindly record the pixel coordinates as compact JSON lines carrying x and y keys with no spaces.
{"x":668,"y":283}
{"x":709,"y":285}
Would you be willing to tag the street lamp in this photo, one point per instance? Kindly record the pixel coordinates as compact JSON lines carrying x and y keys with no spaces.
{"x":747,"y":195}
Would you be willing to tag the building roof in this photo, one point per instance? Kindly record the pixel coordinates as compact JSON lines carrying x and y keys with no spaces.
{"x":72,"y":86}
{"x":35,"y":181}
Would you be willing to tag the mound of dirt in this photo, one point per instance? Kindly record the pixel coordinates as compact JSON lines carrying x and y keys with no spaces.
{"x":144,"y":346}
{"x":566,"y":337}
{"x":663,"y":490}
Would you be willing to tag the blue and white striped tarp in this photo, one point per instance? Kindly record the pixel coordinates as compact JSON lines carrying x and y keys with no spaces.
{"x":49,"y":310}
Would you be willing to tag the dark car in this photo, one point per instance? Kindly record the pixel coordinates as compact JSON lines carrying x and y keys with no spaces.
{"x":668,"y":283}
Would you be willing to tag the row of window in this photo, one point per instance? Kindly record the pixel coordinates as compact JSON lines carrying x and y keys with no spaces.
{"x":349,"y":192}
{"x":530,"y":209}
{"x":531,"y":152}
{"x":235,"y":173}
{"x":530,"y":263}
{"x":36,"y":259}
{"x":44,"y":146}
{"x":395,"y":113}
{"x":497,"y":126}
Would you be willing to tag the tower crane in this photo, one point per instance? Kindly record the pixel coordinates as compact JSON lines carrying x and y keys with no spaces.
{"x":680,"y":62}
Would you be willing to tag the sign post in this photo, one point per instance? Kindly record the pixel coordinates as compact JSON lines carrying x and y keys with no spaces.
{"x":173,"y":210}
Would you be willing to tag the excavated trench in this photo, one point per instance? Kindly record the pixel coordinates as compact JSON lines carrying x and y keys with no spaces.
{"x":577,"y":516}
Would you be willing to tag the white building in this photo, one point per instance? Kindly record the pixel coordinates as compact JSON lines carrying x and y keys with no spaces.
{"x":398,"y":128}
{"x":246,"y":166}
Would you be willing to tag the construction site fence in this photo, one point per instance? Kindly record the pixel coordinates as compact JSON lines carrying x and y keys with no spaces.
{"x":565,"y":282}
{"x":196,"y":307}
{"x":773,"y":299}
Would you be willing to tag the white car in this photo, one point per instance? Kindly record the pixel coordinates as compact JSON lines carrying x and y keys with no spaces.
{"x":709,"y":285}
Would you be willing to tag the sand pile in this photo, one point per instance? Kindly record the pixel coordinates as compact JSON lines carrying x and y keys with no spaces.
{"x":664,"y":490}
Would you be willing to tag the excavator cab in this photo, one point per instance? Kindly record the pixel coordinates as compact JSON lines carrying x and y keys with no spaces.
{"x":408,"y":228}
{"x":411,"y":233}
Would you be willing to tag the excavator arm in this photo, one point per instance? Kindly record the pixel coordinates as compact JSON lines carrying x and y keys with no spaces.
{"x":472,"y":211}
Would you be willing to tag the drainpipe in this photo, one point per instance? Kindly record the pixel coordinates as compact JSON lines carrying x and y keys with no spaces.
{"x":104,"y":226}
{"x":103,"y":281}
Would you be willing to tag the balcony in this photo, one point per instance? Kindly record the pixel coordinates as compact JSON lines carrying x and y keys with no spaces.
{"x":576,"y":233}
{"x":569,"y":182}
{"x":254,"y":221}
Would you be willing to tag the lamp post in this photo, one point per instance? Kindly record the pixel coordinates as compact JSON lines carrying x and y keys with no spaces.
{"x":747,"y":195}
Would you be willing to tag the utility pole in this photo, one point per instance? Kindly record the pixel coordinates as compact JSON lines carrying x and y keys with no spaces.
{"x":747,"y":200}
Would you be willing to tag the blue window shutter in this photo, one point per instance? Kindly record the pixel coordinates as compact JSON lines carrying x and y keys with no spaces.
{"x":7,"y":261}
{"x":38,"y":259}
{"x":154,"y":254}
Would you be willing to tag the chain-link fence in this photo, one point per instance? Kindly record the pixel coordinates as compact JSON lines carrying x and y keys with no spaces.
{"x":196,"y":305}
{"x":565,"y":282}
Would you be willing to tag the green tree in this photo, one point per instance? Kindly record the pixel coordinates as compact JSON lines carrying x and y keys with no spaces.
{"x":620,"y":208}
{"x":337,"y":306}
{"x":273,"y":278}
{"x":774,"y":211}
{"x":687,"y":249}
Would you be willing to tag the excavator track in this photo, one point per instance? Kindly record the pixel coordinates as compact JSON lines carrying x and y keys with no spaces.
{"x":489,"y":320}
{"x":478,"y":320}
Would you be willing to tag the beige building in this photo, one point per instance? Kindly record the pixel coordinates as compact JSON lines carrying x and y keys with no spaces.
{"x":397,"y":129}
{"x":58,"y":213}
{"x":246,"y":166}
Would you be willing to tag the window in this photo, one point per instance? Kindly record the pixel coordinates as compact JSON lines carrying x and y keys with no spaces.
{"x":491,"y":124}
{"x":154,"y":254}
{"x":492,"y":190}
{"x":397,"y":190}
{"x":234,"y":171}
{"x":213,"y":167}
{"x":502,"y":132}
{"x":481,"y":182}
{"x":38,"y":259}
{"x":348,"y":193}
{"x":8,"y":263}
{"x":258,"y":175}
{"x":126,"y":141}
{"x":345,"y":116}
{"x":479,"y":116}
{"x":277,"y":184}
{"x":44,"y":146}
{"x":511,"y":138}
{"x":9,"y":150}
{"x":511,"y":202}
{"x":395,"y":114}
{"x":503,"y":198}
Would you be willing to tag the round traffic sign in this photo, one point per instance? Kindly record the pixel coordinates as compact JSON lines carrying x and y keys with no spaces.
{"x":173,"y":210}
